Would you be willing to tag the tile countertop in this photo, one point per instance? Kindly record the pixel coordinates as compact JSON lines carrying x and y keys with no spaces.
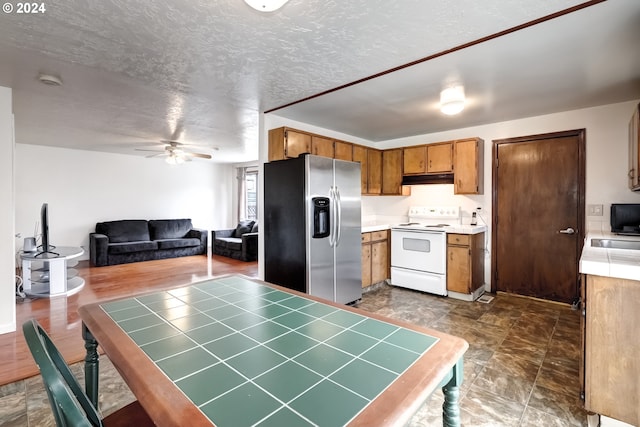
{"x":368,"y":227}
{"x":618,"y":263}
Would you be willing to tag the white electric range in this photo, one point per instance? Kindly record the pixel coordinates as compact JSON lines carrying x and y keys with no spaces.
{"x":419,"y":248}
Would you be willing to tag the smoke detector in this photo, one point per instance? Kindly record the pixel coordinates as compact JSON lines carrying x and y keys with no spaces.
{"x":50,"y":80}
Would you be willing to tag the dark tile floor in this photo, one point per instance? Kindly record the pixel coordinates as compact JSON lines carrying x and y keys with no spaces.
{"x":521,"y":368}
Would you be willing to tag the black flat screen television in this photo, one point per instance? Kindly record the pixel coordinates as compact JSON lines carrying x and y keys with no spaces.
{"x":45,"y":247}
{"x":44,"y":223}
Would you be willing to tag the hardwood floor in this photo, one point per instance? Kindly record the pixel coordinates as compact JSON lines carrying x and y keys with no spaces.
{"x":59,"y":316}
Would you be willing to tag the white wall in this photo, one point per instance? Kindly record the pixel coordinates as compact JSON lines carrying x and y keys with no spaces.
{"x":85,"y":187}
{"x":7,"y":254}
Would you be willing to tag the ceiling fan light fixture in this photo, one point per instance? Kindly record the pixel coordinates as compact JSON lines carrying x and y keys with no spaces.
{"x":174,"y":159}
{"x":452,"y":100}
{"x":266,"y":5}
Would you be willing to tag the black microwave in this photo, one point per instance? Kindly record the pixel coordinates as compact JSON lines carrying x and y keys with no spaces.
{"x":625,"y":218}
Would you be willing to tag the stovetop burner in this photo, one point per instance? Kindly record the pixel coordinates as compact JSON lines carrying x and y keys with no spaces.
{"x":431,"y":218}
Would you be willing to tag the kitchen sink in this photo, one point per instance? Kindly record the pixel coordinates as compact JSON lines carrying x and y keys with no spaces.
{"x":616,"y":244}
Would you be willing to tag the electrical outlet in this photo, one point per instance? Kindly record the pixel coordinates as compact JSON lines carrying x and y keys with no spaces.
{"x":594,"y":210}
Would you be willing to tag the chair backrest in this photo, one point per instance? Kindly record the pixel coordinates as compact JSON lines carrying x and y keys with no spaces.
{"x":70,"y":405}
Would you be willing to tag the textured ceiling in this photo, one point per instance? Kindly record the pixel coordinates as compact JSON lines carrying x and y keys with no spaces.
{"x":201,"y":71}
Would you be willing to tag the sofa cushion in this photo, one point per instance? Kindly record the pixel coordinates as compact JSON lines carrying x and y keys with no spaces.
{"x":126,"y":230}
{"x":169,"y":228}
{"x":234,"y":243}
{"x":177,"y":243}
{"x":243,"y":227}
{"x":127,"y":247}
{"x":254,"y":229}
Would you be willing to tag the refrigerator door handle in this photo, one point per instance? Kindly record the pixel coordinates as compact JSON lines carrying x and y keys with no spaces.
{"x":332,"y":201}
{"x":338,"y":225}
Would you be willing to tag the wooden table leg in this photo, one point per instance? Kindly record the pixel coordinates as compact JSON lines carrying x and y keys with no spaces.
{"x":451,"y":390}
{"x":91,"y":366}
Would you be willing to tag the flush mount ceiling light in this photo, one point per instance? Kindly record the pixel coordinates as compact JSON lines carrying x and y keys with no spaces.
{"x":49,"y":80}
{"x":266,"y":5}
{"x":452,"y":100}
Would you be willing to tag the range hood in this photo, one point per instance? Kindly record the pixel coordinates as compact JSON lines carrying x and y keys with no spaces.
{"x":441,"y":178}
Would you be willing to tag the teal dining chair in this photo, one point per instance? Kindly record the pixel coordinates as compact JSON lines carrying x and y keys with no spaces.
{"x":70,"y":404}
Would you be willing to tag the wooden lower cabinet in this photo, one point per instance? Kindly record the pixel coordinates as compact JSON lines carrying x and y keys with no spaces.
{"x":465,"y":263}
{"x":375,"y":257}
{"x":611,"y":347}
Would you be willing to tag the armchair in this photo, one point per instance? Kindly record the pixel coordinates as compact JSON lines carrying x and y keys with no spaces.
{"x":238,"y":243}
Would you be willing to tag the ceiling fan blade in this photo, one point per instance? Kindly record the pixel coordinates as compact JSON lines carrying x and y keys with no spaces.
{"x":155,"y":155}
{"x":152,"y":151}
{"x":199,"y":155}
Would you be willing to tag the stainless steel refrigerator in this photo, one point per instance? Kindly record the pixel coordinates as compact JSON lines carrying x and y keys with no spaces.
{"x":311,"y":227}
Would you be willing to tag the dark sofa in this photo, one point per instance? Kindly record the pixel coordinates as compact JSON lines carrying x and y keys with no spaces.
{"x":133,"y":240}
{"x":237,"y":243}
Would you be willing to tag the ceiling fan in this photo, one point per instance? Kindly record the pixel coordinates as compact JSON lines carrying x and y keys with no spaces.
{"x":175,"y":153}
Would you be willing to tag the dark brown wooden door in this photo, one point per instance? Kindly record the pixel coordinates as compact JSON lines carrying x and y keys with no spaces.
{"x":538,"y":200}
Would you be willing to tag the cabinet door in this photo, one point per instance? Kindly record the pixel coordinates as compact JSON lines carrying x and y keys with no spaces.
{"x":296,"y":143}
{"x":321,"y":146}
{"x":392,"y":171}
{"x":343,"y":150}
{"x":276,"y":144}
{"x":612,"y":365}
{"x":634,"y":150}
{"x":440,"y":157}
{"x":458,"y":269}
{"x":360,"y":156}
{"x":414,"y":160}
{"x":379,"y":261}
{"x":374,"y":171}
{"x":366,"y":265}
{"x":468,"y":166}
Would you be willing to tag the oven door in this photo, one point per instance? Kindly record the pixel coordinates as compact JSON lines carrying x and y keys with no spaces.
{"x":419,"y":250}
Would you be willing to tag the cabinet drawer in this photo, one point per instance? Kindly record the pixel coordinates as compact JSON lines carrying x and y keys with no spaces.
{"x":459,"y":239}
{"x":378,"y":235}
{"x":366,"y":237}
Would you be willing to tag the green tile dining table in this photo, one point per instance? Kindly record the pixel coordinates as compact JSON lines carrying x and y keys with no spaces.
{"x":236,"y":351}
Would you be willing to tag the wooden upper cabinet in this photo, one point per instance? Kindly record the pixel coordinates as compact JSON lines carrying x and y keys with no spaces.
{"x":343,"y":150}
{"x":414,"y":160}
{"x":429,"y":158}
{"x":468,"y":166}
{"x":392,"y":172}
{"x":370,"y":161}
{"x":321,"y":146}
{"x":440,"y":157}
{"x":360,"y":156}
{"x":288,"y":143}
{"x":374,"y":171}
